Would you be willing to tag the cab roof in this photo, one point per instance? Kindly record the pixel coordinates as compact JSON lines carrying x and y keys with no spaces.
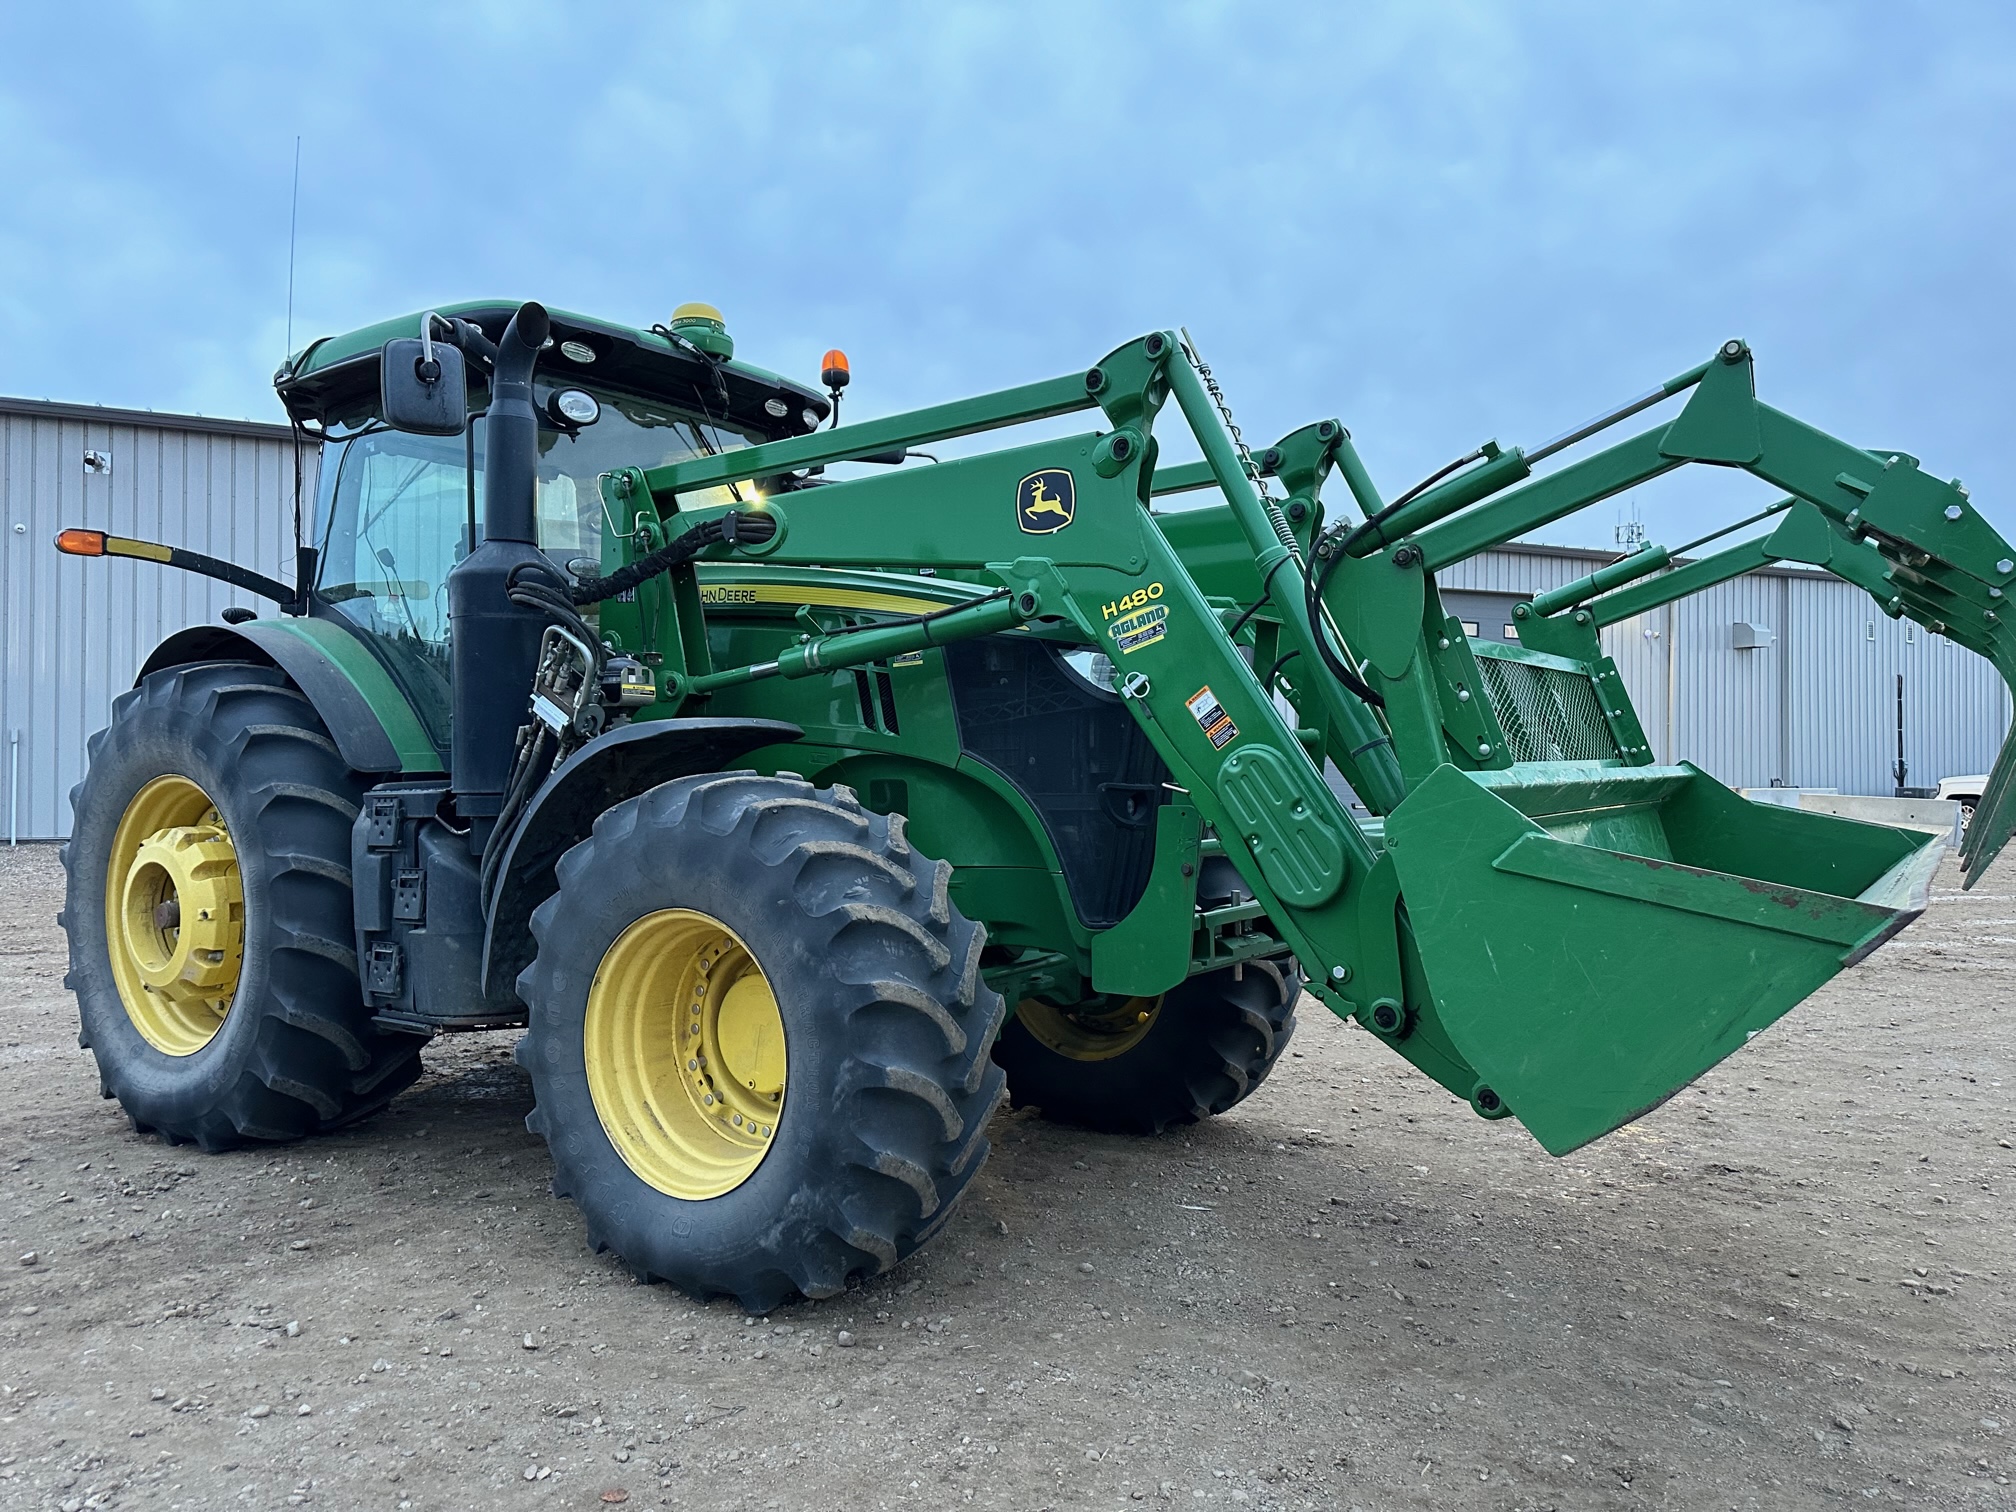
{"x":334,"y":380}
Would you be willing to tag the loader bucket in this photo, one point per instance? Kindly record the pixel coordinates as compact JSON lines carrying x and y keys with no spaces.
{"x":1994,"y":814}
{"x":1596,"y":937}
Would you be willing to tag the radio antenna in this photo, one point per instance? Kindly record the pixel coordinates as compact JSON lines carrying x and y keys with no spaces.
{"x":301,"y":569}
{"x":293,"y":224}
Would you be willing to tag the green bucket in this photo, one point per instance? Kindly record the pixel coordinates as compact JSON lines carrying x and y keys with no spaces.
{"x":1594,"y":937}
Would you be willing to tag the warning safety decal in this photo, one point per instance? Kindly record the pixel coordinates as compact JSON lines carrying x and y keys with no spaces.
{"x":1211,"y":717}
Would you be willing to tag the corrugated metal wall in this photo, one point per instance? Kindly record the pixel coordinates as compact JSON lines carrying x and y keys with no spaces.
{"x":75,"y":631}
{"x":1815,"y":708}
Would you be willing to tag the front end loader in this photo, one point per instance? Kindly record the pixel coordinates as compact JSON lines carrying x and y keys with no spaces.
{"x":800,"y":817}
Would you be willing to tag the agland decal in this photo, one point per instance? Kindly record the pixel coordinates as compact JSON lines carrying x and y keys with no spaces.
{"x":1137,"y":620}
{"x":1143,"y":627}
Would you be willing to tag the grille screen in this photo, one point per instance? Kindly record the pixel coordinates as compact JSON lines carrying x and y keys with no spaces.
{"x":1548,"y":714}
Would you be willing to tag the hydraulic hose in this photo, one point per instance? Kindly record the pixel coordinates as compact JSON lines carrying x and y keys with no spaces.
{"x":535,"y":749}
{"x":536,"y":587}
{"x":734,"y":527}
{"x":1319,"y":631}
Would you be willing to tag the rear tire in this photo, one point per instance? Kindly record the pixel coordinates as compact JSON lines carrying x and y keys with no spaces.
{"x":695,"y":915}
{"x":232,"y":760}
{"x":1138,"y":1065}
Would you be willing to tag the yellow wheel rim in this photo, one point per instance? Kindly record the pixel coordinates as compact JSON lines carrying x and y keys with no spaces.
{"x":685,"y":1054}
{"x":174,"y":915}
{"x":1093,"y":1031}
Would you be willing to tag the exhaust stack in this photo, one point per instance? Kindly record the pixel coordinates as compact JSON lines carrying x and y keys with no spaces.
{"x":494,"y":643}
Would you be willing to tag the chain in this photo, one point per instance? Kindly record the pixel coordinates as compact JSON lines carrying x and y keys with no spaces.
{"x":1224,"y":412}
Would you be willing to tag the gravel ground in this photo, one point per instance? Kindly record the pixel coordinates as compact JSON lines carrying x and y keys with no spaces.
{"x":1784,"y":1289}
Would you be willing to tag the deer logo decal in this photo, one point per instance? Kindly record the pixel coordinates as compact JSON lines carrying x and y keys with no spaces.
{"x":1045,"y":501}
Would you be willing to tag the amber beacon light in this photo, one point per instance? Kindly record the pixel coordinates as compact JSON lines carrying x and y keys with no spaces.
{"x":835,"y":374}
{"x":75,"y":542}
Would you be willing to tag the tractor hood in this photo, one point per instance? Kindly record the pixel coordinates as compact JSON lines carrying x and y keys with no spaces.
{"x":334,"y":381}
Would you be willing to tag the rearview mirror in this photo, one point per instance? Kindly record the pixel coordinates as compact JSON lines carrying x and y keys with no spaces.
{"x":422,"y":387}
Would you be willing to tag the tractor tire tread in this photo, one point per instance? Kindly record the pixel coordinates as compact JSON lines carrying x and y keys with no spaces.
{"x":897,"y":1128}
{"x":310,"y":1059}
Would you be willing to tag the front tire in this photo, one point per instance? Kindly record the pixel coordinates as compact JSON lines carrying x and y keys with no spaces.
{"x":759,"y":1037}
{"x":210,"y":920}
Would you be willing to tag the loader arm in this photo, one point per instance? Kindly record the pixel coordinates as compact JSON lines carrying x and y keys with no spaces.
{"x":1544,"y":921}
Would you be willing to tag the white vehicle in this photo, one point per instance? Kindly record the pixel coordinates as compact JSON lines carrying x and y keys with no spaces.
{"x":1965,"y":791}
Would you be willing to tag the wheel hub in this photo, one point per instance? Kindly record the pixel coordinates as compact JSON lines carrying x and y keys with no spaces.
{"x":1095,"y":1030}
{"x":685,"y":1054}
{"x":175,"y":916}
{"x":751,"y":1036}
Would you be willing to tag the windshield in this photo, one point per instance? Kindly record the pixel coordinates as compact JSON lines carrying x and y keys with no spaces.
{"x":396,"y":512}
{"x":630,"y":432}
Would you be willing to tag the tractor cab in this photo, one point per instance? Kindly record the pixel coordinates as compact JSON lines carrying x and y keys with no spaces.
{"x":395,"y":510}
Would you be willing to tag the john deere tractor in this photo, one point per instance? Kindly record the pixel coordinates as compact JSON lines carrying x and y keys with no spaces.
{"x":797,"y":815}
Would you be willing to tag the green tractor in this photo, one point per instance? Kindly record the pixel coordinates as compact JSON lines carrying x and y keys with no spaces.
{"x":800,"y":818}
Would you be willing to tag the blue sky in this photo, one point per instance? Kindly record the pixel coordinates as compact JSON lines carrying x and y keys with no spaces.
{"x":1439,"y":222}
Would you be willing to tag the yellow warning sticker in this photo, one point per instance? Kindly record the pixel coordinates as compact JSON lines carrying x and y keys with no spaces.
{"x":1143,"y":627}
{"x":1211,"y":717}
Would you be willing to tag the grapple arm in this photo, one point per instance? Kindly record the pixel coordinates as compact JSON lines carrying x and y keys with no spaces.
{"x":1917,"y":569}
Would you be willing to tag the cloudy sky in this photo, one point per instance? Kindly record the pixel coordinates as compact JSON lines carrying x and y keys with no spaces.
{"x":1439,"y":222}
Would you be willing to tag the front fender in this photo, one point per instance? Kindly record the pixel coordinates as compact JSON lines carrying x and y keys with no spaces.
{"x":604,"y":772}
{"x":374,"y":727}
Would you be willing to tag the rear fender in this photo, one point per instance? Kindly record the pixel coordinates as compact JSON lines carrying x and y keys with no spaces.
{"x":604,"y":772}
{"x":374,"y":727}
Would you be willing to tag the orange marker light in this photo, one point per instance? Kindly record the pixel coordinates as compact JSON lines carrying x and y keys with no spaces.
{"x":833,"y":369}
{"x":76,"y":542}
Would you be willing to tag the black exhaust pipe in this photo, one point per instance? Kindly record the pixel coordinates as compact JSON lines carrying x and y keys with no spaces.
{"x":493,"y":642}
{"x":511,"y":430}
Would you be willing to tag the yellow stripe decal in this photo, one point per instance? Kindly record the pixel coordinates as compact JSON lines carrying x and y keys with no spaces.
{"x":146,"y":550}
{"x":725,"y":594}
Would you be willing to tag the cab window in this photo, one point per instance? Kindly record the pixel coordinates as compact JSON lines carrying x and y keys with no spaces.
{"x":397,"y":517}
{"x":396,"y":512}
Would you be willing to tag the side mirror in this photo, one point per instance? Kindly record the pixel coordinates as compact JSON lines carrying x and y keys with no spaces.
{"x":422,"y":386}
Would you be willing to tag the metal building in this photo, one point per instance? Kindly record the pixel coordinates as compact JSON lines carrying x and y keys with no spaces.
{"x":1786,"y":677}
{"x":72,"y":633}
